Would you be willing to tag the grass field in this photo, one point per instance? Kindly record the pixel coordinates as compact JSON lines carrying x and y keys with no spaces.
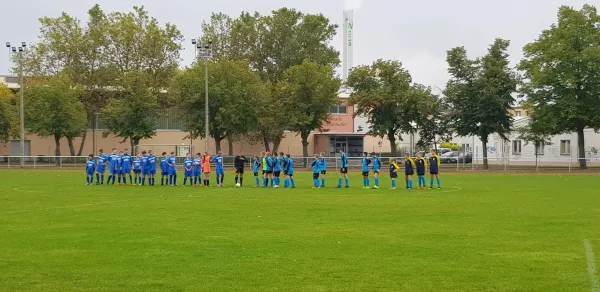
{"x":481,"y":232}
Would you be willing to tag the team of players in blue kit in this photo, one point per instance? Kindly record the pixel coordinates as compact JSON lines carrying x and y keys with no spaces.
{"x":197,"y":169}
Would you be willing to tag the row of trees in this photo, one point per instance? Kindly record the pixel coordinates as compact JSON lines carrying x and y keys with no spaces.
{"x":276,"y":72}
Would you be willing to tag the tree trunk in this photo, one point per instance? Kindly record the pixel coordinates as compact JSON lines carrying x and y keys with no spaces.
{"x":230,"y":144}
{"x":133,"y":142}
{"x":218,"y":144}
{"x":71,"y":146}
{"x":266,"y":142}
{"x":485,"y":152}
{"x":581,"y":148}
{"x":276,"y":144}
{"x":82,"y":143}
{"x":57,"y":145}
{"x":304,"y":136}
{"x":392,"y":137}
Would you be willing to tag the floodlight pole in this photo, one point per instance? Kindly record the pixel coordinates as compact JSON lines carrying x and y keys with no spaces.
{"x":206,"y":54}
{"x":18,"y":51}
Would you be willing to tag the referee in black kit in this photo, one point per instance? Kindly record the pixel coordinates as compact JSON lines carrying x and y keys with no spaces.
{"x":239,"y":163}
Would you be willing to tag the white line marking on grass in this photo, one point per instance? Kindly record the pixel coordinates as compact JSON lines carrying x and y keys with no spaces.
{"x":591,"y":265}
{"x":456,"y":189}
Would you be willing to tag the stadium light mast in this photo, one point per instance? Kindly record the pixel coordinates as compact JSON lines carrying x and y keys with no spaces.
{"x":204,"y":52}
{"x":430,"y":118}
{"x":18,"y":52}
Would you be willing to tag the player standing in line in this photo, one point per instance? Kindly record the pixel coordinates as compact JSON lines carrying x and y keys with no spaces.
{"x":376,"y":169}
{"x":269,"y":169}
{"x":343,"y":169}
{"x":101,"y":167}
{"x":256,"y":166}
{"x":164,"y":169}
{"x":188,"y":164}
{"x":151,"y":167}
{"x":290,"y":173}
{"x":113,"y":166}
{"x":90,"y":168}
{"x":284,"y":162}
{"x":137,"y":169}
{"x":240,"y":163}
{"x":409,"y":171}
{"x":126,"y":166}
{"x":316,"y":166}
{"x":144,"y":167}
{"x":263,"y":157}
{"x":119,"y":170}
{"x":434,"y":169}
{"x":421,"y":165}
{"x":197,"y":171}
{"x":276,"y":170}
{"x":323,"y":165}
{"x":206,"y":168}
{"x":220,"y":170}
{"x":365,"y":170}
{"x":394,"y":168}
{"x":172,"y":163}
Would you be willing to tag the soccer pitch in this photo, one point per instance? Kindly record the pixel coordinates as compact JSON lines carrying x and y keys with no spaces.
{"x":481,"y":232}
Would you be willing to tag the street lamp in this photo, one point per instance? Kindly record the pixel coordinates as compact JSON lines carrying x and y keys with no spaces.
{"x":430,"y":118}
{"x":204,"y":52}
{"x":18,"y":51}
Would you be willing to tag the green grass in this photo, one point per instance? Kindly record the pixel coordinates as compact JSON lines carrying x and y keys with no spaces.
{"x":481,"y":232}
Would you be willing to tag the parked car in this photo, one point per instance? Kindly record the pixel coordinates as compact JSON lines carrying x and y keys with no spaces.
{"x":449,"y":157}
{"x":467,"y":157}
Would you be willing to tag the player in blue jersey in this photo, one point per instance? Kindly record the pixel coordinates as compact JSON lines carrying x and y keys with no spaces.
{"x":144,"y":167}
{"x":101,"y":167}
{"x":188,"y":165}
{"x":323,"y":164}
{"x":90,"y":168}
{"x":421,"y":167}
{"x":113,"y":166}
{"x":151,"y":167}
{"x":256,"y":167}
{"x":284,"y":168}
{"x":172,"y":162}
{"x":409,"y":171}
{"x":376,"y":169}
{"x":197,"y":171}
{"x":126,"y":166}
{"x":119,"y":167}
{"x":276,"y":170}
{"x":316,"y":167}
{"x":137,"y":169}
{"x":164,"y":169}
{"x":343,"y":169}
{"x":434,"y":169}
{"x":220,"y":170}
{"x":394,"y":168}
{"x":289,"y":170}
{"x":365,"y":170}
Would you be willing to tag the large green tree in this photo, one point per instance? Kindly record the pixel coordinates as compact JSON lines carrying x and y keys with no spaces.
{"x":562,"y":74}
{"x":8,"y":114}
{"x":54,"y":110}
{"x":384,"y":93}
{"x":309,"y":90}
{"x":133,"y":113}
{"x":234,"y":90}
{"x":272,"y":44}
{"x":480,"y":93}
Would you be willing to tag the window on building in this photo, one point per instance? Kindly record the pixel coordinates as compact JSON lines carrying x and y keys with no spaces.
{"x":518,"y":113}
{"x":539,"y":149}
{"x":516,"y":145}
{"x":565,"y":147}
{"x":466,"y":147}
{"x":339,"y":109}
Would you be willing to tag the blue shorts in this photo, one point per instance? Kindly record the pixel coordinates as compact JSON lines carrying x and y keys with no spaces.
{"x":220,"y":171}
{"x":164,"y":172}
{"x":114,"y":171}
{"x":172,"y":172}
{"x":187,"y":173}
{"x":196,"y":173}
{"x":89,"y":172}
{"x":152,"y":171}
{"x":126,"y":171}
{"x":100,"y":170}
{"x":137,"y":171}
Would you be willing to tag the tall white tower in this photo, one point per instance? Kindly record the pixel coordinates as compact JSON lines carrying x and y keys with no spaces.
{"x":348,"y":54}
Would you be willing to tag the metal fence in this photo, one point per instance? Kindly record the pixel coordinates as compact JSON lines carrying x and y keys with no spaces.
{"x":333,"y":163}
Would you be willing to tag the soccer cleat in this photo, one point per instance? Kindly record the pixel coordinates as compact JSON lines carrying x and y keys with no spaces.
{"x":375,"y":187}
{"x":392,"y":188}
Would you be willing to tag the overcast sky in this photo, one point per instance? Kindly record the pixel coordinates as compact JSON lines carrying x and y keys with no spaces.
{"x":416,"y":32}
